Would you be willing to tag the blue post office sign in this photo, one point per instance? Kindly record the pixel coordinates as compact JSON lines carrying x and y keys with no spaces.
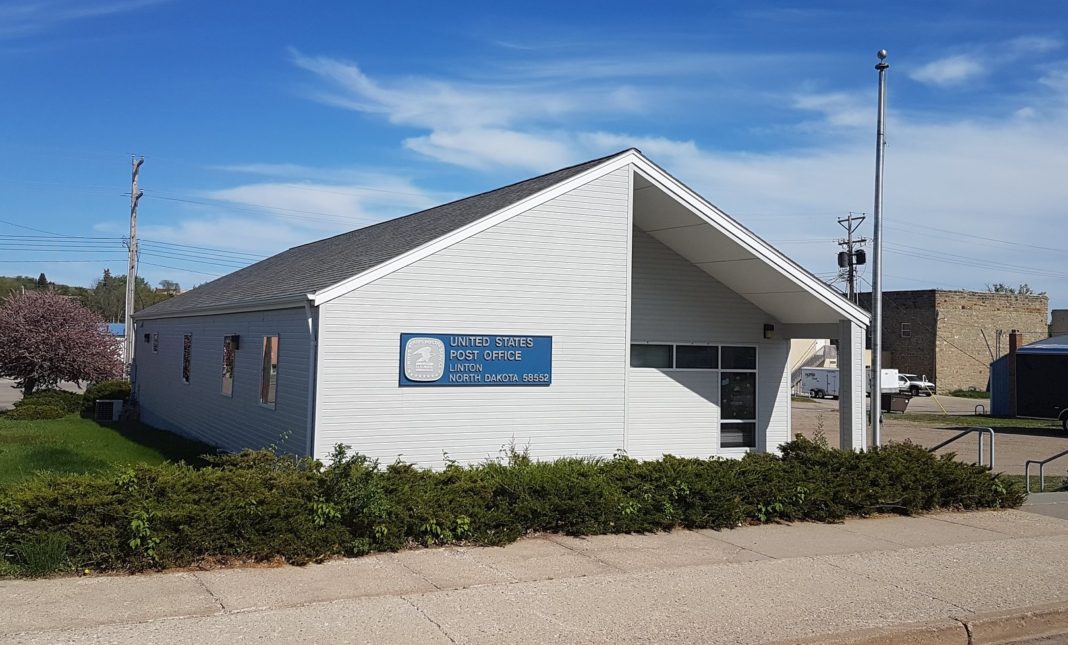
{"x":475,"y":359}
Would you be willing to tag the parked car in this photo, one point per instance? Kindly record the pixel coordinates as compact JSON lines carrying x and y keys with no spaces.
{"x":915,"y":385}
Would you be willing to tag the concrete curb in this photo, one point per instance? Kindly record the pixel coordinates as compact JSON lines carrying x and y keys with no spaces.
{"x":1032,"y":622}
{"x":946,"y":631}
{"x":978,"y":629}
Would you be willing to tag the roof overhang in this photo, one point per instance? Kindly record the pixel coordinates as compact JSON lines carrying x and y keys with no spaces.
{"x":689,"y":225}
{"x":234,"y":308}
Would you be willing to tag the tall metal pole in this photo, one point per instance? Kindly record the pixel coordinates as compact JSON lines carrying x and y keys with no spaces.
{"x":877,"y":259}
{"x":131,"y":272}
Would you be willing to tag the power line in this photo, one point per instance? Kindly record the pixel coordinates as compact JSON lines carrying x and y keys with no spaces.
{"x":164,"y":266}
{"x":204,"y":248}
{"x":924,"y":254}
{"x":980,"y":237}
{"x":156,"y":254}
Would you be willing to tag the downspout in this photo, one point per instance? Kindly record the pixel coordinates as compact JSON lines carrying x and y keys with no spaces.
{"x":313,"y":345}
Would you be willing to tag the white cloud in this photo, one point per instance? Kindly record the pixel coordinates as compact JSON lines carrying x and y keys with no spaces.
{"x":952,"y":70}
{"x":1025,"y":45}
{"x":840,"y":109}
{"x":472,"y":124}
{"x":27,"y":18}
{"x":486,"y":148}
{"x":997,"y":177}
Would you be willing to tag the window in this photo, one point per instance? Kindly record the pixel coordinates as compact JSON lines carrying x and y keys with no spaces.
{"x":739,"y":358}
{"x":906,"y":330}
{"x":269,"y":371}
{"x":187,"y":355}
{"x":155,"y":343}
{"x":146,"y":337}
{"x":683,"y":357}
{"x":229,"y":354}
{"x":696,"y":357}
{"x":651,"y":356}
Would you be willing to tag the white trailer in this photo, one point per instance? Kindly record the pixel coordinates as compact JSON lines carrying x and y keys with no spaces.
{"x":888,"y":381}
{"x":820,"y":382}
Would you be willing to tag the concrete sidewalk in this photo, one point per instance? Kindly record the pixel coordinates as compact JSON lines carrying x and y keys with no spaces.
{"x":938,"y":578}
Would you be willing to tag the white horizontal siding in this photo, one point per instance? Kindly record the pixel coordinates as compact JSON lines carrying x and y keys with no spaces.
{"x":557,"y":270}
{"x":198,"y":409}
{"x":673,"y":412}
{"x":674,"y":301}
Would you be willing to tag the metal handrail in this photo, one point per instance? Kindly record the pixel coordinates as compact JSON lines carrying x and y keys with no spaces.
{"x":980,"y":431}
{"x":976,"y":410}
{"x":1041,"y":471}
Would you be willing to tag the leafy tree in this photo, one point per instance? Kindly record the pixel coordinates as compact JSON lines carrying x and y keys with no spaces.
{"x":46,"y":338}
{"x":1023,"y":290}
{"x":108,"y":296}
{"x":170,"y":286}
{"x":42,"y":281}
{"x":20,"y":283}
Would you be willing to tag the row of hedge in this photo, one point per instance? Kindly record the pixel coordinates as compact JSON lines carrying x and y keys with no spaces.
{"x":257,"y":506}
{"x":55,"y":404}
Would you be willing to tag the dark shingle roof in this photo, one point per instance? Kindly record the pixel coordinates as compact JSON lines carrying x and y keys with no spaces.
{"x":311,"y":267}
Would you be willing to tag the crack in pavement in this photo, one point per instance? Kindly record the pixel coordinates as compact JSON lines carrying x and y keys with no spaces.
{"x":218,"y":601}
{"x":433,"y":622}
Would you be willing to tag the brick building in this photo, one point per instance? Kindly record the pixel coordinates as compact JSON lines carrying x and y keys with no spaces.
{"x":953,"y":336}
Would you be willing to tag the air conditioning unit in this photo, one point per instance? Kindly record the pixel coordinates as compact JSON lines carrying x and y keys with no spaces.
{"x":108,"y":411}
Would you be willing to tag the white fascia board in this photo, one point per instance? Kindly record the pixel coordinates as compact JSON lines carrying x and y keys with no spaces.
{"x":749,"y":240}
{"x":346,"y":286}
{"x":236,"y":308}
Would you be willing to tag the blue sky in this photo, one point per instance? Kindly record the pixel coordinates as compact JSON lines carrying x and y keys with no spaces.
{"x":268,"y":124}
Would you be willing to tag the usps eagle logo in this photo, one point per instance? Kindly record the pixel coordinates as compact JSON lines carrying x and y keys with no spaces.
{"x":424,"y":359}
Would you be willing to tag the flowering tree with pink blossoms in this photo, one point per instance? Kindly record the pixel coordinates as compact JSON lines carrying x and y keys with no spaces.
{"x":46,"y":338}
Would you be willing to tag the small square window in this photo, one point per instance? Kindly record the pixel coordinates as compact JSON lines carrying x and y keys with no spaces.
{"x":738,"y":358}
{"x":906,"y":330}
{"x":147,"y":337}
{"x":658,"y":356}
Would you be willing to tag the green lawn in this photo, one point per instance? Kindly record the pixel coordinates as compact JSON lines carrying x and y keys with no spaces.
{"x":968,"y":421}
{"x":76,"y":445}
{"x":1053,"y":482}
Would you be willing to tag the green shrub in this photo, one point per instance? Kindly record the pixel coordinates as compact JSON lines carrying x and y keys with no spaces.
{"x":117,"y":389}
{"x":42,"y":556}
{"x":258,"y":506}
{"x":35,"y":412}
{"x":69,"y":402}
{"x":970,"y":394}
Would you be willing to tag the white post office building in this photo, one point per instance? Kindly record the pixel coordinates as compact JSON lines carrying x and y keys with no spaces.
{"x":598,"y":308}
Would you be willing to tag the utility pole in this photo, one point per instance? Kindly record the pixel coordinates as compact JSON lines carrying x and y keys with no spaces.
{"x":131,"y":272}
{"x":877,"y":258}
{"x":851,"y":258}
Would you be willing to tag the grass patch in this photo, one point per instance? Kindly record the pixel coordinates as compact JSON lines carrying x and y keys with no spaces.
{"x":969,"y":421}
{"x":970,"y":394}
{"x":1053,"y":482}
{"x":73,"y":445}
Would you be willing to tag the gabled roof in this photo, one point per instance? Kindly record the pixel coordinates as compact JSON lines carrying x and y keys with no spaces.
{"x":288,"y":278}
{"x":318,"y":272}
